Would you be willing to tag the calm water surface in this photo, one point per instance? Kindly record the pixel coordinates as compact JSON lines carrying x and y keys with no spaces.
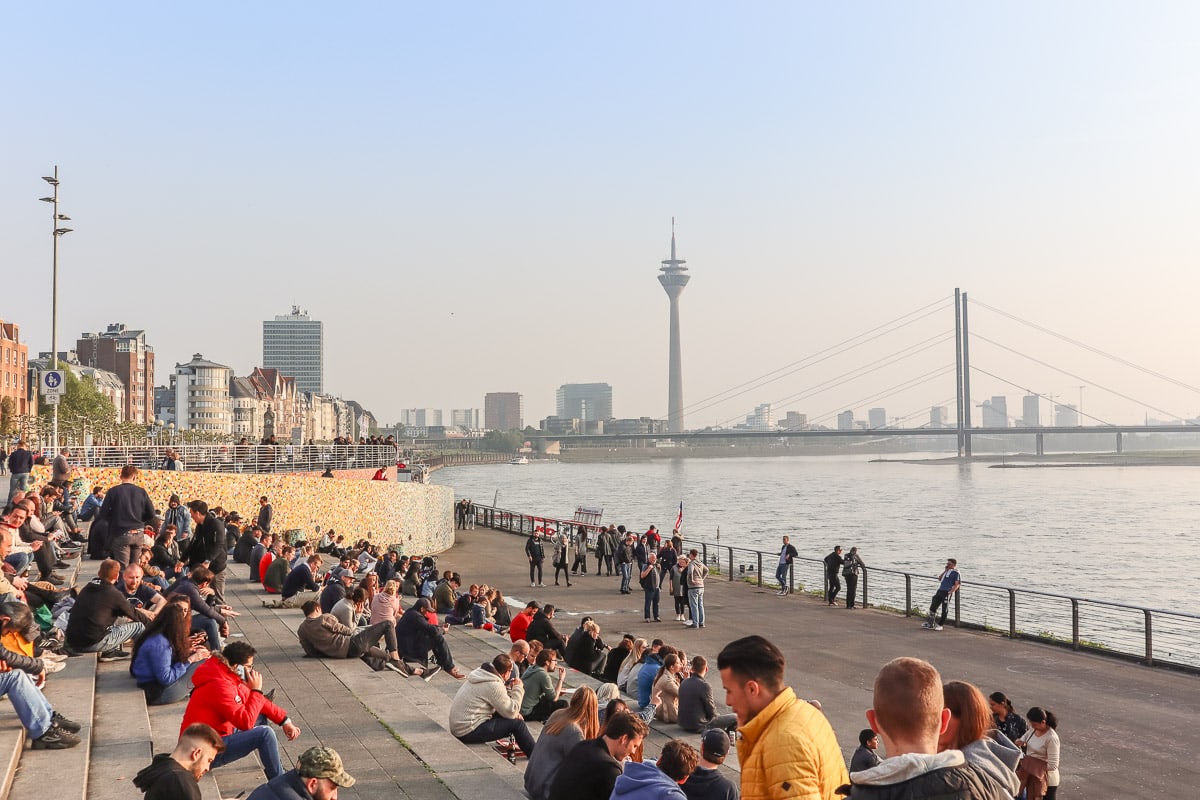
{"x":1126,"y":534}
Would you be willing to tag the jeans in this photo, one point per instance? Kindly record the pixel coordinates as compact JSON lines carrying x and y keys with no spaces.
{"x":833,"y":586}
{"x":651,"y":602}
{"x":127,"y":547}
{"x":19,"y":561}
{"x":18,"y":482}
{"x":240,"y":744}
{"x":781,"y":575}
{"x":696,"y":605}
{"x":31,"y":706}
{"x":368,"y":637}
{"x":940,"y":600}
{"x":158,"y":695}
{"x":498,"y":728}
{"x":210,"y":628}
{"x":117,"y":635}
{"x":626,"y":570}
{"x":851,"y":590}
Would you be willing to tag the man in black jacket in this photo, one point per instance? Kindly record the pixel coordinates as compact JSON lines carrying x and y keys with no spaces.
{"x":417,"y":637}
{"x":541,"y":629}
{"x":93,"y":627}
{"x":265,"y":513}
{"x":590,"y":769}
{"x":127,"y":510}
{"x":176,"y":775}
{"x":207,"y":548}
{"x":536,"y":555}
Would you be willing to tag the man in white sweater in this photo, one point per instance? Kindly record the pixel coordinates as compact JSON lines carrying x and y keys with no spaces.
{"x":488,"y":706}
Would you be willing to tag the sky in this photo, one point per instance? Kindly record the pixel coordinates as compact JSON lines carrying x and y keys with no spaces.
{"x":476,"y":197}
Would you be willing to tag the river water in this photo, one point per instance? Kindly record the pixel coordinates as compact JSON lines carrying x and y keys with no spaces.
{"x":1124,"y":534}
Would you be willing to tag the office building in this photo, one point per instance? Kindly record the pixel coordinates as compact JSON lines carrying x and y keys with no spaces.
{"x":503,"y":411}
{"x":421,"y":417}
{"x":465,"y":418}
{"x":876,"y":418}
{"x":202,"y":401}
{"x":1031,"y":411}
{"x":763,"y":418}
{"x":294,"y":344}
{"x":1066,"y":416}
{"x":588,"y":402}
{"x":846,"y":421}
{"x":995,"y":412}
{"x":794,"y":421}
{"x":937,"y":417}
{"x":14,"y":364}
{"x":126,"y":353}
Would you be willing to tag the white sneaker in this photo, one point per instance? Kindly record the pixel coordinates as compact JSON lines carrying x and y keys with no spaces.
{"x":541,"y":584}
{"x":937,"y":627}
{"x":927,"y":624}
{"x":532,"y":585}
{"x":53,"y":666}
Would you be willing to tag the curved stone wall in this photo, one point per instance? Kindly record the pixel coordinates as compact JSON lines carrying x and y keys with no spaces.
{"x":418,"y":517}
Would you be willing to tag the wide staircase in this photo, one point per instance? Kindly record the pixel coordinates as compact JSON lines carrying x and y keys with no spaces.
{"x":392,"y":732}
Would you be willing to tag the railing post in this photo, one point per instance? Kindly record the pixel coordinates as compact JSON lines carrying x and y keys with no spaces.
{"x":957,"y":606}
{"x":759,"y":552}
{"x":1012,"y":614}
{"x":730,"y":563}
{"x":1149,"y":638}
{"x":704,"y":552}
{"x":1074,"y":624}
{"x":864,"y":587}
{"x":907,"y":595}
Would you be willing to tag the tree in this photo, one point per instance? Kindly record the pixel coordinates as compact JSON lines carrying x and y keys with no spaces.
{"x":82,"y":409}
{"x":502,"y":441}
{"x":8,"y":416}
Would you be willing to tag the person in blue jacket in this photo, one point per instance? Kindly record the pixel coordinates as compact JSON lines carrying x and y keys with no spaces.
{"x":652,"y":660}
{"x":658,"y":781}
{"x":164,"y":657}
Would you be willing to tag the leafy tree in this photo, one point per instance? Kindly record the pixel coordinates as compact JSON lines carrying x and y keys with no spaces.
{"x":81,"y":409}
{"x":8,"y":416}
{"x":502,"y":441}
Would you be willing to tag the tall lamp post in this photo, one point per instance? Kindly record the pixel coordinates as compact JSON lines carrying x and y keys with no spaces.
{"x":56,"y":231}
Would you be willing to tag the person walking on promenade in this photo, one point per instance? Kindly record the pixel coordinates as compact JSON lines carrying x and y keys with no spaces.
{"x":536,"y":555}
{"x":833,"y":566}
{"x":853,"y":563}
{"x":625,"y":561}
{"x":20,"y":464}
{"x":649,"y":578}
{"x":602,"y":549}
{"x":786,"y":555}
{"x":948,"y":583}
{"x":579,"y":565}
{"x":693,"y":579}
{"x":562,"y":557}
{"x":784,"y":740}
{"x":265,"y":513}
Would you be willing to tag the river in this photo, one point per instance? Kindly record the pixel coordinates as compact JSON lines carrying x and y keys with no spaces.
{"x":1124,"y":534}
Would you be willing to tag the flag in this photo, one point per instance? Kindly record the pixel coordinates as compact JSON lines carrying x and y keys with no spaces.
{"x":363,"y":426}
{"x":679,"y":519}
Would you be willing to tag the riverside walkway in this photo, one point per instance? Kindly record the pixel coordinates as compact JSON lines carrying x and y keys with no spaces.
{"x":1127,"y":730}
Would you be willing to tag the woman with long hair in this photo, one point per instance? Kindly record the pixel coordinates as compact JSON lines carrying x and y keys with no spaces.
{"x":971,"y":730}
{"x":1039,"y":768}
{"x":411,"y":585}
{"x":1010,"y":723}
{"x":370,"y":585}
{"x":630,"y":665}
{"x":564,"y":729}
{"x":164,"y":657}
{"x":386,"y":605}
{"x":562,"y":555}
{"x":666,"y":686}
{"x":501,"y":614}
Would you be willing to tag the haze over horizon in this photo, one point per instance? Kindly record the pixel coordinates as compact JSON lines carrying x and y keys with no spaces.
{"x":477,"y":198}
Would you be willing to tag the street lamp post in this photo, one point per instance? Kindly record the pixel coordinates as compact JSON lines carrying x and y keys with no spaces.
{"x":56,"y":231}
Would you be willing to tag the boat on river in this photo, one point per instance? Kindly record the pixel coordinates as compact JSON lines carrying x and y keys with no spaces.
{"x":518,"y":460}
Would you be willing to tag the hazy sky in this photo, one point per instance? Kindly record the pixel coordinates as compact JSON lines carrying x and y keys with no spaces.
{"x":475,"y":197}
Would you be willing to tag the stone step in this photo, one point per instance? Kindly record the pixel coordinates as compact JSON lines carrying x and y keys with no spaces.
{"x":121,"y":742}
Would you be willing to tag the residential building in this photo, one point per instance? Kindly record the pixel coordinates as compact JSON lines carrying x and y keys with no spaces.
{"x":202,"y":400}
{"x":561,"y":426}
{"x":845,"y":421}
{"x":876,"y":418}
{"x":294,"y":344}
{"x":503,"y":411}
{"x":1066,"y":416}
{"x":284,"y":414}
{"x":14,"y":364}
{"x":585,"y":401}
{"x":164,"y":404}
{"x":794,"y":421}
{"x":108,"y":384}
{"x":126,"y":353}
{"x":1031,"y":411}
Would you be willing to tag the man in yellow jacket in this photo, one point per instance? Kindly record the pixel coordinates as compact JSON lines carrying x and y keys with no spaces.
{"x":787,"y":748}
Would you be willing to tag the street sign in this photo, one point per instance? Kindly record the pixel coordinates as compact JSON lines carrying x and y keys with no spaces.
{"x":53,"y":383}
{"x":52,"y":399}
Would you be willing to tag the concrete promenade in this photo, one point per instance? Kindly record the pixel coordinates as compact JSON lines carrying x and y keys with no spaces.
{"x":1127,"y":731}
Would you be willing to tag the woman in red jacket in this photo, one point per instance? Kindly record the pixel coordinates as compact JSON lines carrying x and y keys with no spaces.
{"x":228,"y":697}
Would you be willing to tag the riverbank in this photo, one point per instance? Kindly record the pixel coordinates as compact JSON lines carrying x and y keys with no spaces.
{"x":1184,"y":458}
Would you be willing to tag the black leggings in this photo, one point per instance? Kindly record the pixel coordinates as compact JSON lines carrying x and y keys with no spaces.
{"x":563,"y":569}
{"x":681,"y":605}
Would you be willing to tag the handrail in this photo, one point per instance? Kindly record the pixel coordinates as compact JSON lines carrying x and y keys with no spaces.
{"x":1115,"y":628}
{"x":240,"y":458}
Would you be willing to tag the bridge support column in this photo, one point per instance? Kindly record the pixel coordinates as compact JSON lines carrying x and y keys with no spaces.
{"x":1120,"y":443}
{"x":1041,"y":443}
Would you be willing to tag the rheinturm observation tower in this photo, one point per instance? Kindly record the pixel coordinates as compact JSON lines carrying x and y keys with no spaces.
{"x":673,"y":278}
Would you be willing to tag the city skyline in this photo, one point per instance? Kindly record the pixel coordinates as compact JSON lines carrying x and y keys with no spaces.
{"x":831,"y":168}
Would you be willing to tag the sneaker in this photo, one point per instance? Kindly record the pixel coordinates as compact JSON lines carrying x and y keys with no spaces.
{"x":937,"y":627}
{"x":113,"y":655}
{"x":927,"y":625}
{"x":50,"y":655}
{"x":690,"y":625}
{"x":532,"y":585}
{"x":62,"y":723}
{"x":52,"y":667}
{"x":57,"y":581}
{"x":429,"y":673}
{"x":541,"y":584}
{"x":454,"y":673}
{"x":55,"y":739}
{"x":399,"y":668}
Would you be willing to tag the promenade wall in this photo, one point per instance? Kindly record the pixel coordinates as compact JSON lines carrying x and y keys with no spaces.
{"x":418,"y":517}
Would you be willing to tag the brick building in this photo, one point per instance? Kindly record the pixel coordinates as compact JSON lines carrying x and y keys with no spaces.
{"x":14,"y":364}
{"x":126,"y":353}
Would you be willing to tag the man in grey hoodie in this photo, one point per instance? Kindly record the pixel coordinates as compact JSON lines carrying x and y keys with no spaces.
{"x":909,"y":714}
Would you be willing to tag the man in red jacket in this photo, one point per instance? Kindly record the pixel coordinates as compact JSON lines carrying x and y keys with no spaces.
{"x":228,"y":697}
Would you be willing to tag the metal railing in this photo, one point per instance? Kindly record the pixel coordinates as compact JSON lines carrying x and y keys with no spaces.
{"x":1152,"y":636}
{"x":241,"y":458}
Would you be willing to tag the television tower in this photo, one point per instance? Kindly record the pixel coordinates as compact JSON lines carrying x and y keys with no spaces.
{"x":673,"y":278}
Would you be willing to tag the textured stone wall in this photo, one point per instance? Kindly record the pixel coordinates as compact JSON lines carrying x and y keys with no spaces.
{"x":416,"y":516}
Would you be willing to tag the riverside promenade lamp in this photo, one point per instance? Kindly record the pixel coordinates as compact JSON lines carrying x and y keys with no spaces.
{"x":56,"y":232}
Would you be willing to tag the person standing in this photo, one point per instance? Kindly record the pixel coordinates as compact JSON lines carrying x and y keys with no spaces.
{"x":265,"y":513}
{"x":625,"y":561}
{"x":579,"y":565}
{"x":20,"y":464}
{"x":786,"y":555}
{"x":693,"y":578}
{"x":601,"y":548}
{"x":785,"y":742}
{"x":562,"y":557}
{"x":536,"y":555}
{"x":127,"y":510}
{"x":207,"y":548}
{"x":650,"y":579}
{"x":833,"y":566}
{"x":62,"y":472}
{"x":852,"y":564}
{"x":948,"y":583}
